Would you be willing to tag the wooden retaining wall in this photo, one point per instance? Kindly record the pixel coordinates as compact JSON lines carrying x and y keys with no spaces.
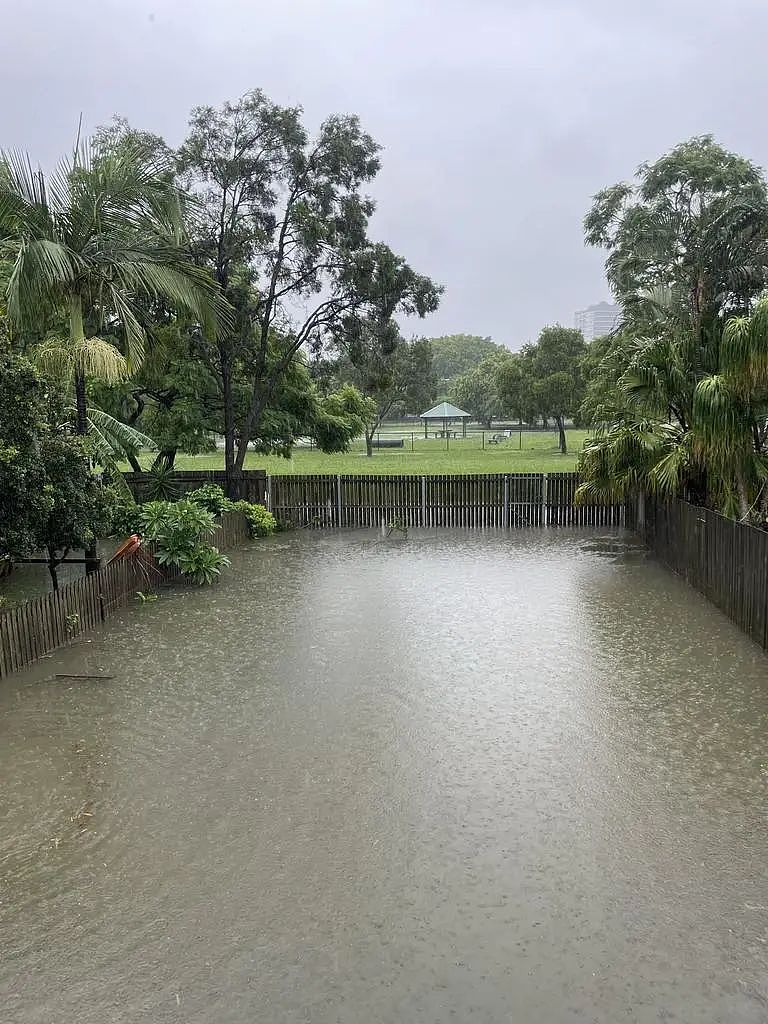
{"x":725,"y":560}
{"x":34,"y":628}
{"x":439,"y":500}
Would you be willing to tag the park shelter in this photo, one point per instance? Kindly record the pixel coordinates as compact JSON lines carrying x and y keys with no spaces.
{"x":444,"y":414}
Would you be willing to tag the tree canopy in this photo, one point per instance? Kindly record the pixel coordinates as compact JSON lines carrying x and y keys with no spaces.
{"x":457,"y":354}
{"x":679,"y":395}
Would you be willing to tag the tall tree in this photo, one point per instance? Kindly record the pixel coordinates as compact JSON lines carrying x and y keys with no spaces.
{"x":285,"y":232}
{"x":694,"y":224}
{"x":557,"y":374}
{"x":687,"y":256}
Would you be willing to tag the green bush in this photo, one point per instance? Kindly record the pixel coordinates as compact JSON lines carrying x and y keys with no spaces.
{"x":177,"y":529}
{"x":261,"y":522}
{"x":126,"y":519}
{"x":213,"y":498}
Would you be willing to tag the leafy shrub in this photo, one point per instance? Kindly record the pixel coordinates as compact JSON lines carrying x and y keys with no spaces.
{"x":126,"y":519}
{"x":177,"y":529}
{"x":261,"y":522}
{"x":213,"y":498}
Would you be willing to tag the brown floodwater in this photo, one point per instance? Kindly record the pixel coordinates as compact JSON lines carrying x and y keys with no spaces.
{"x":458,"y":777}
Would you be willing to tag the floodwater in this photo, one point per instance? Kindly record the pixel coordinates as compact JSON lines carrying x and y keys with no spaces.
{"x":458,"y":777}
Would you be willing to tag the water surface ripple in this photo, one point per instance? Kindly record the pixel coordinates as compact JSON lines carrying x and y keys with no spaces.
{"x":465,"y":776}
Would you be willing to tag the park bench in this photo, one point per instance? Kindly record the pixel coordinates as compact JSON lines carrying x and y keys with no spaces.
{"x":497,"y":439}
{"x":388,"y":442}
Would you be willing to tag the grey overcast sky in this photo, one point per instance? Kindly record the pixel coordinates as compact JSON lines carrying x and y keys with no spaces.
{"x":499,"y":118}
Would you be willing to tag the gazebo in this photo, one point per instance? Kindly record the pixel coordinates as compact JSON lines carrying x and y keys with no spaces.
{"x":445,"y":413}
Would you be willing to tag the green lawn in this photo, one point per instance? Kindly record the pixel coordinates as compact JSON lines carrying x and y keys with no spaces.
{"x":539,"y":454}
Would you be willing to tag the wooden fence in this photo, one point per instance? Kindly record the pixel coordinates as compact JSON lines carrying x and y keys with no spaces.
{"x":725,"y":560}
{"x":253,"y":484}
{"x":460,"y":500}
{"x":34,"y":628}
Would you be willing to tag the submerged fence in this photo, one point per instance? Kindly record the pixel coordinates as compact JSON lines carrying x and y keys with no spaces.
{"x":725,"y":560}
{"x":34,"y":628}
{"x":439,"y":500}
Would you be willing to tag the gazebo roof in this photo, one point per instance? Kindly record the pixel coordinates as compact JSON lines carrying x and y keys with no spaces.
{"x":444,"y":411}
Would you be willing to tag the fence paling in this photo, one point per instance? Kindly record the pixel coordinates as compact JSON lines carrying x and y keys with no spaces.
{"x":723,"y":559}
{"x":473,"y":501}
{"x":36,"y":627}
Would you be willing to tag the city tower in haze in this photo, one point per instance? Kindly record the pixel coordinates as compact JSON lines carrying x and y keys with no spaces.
{"x":594,"y":321}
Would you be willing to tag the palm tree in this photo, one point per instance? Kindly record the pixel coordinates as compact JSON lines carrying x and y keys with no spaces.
{"x":91,"y":243}
{"x":689,"y":429}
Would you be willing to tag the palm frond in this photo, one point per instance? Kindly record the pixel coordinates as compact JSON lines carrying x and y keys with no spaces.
{"x":118,"y":437}
{"x":91,"y":357}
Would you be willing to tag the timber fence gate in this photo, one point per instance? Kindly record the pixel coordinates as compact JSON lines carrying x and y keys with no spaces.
{"x":440,"y":499}
{"x":34,"y":628}
{"x":723,"y":559}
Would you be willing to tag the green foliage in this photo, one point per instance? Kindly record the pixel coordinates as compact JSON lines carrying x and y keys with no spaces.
{"x":261,"y":522}
{"x":281,"y":225}
{"x":694,"y":224}
{"x":24,"y":502}
{"x":202,"y":563}
{"x":212,"y":498}
{"x":162,"y":485}
{"x":178,"y":530}
{"x":454,"y":355}
{"x":681,"y":394}
{"x":79,"y":507}
{"x":49,"y":498}
{"x":340,"y":417}
{"x":391,"y":372}
{"x":477,"y":391}
{"x":90,"y":244}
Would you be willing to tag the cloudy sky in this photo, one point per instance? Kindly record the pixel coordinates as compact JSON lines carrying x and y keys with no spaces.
{"x":499,"y":118}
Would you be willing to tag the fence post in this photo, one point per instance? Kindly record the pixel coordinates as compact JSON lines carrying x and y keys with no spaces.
{"x":506,"y":501}
{"x":423,"y":501}
{"x":338,"y":500}
{"x":545,"y":500}
{"x":268,"y":493}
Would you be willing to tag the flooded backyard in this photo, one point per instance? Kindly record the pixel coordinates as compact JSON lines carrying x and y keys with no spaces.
{"x":463,"y":776}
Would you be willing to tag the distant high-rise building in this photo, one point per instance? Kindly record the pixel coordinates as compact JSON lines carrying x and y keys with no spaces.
{"x":594,"y":321}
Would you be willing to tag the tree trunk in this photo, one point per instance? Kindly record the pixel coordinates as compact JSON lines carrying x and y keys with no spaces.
{"x":133,"y":462}
{"x":742,"y":492}
{"x":369,"y":443}
{"x":53,"y":569}
{"x":76,"y":337}
{"x":81,"y":416}
{"x":165,"y":458}
{"x":563,"y":444}
{"x":232,"y":475}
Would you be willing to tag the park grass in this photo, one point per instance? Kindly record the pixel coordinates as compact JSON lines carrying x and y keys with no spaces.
{"x":539,"y":454}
